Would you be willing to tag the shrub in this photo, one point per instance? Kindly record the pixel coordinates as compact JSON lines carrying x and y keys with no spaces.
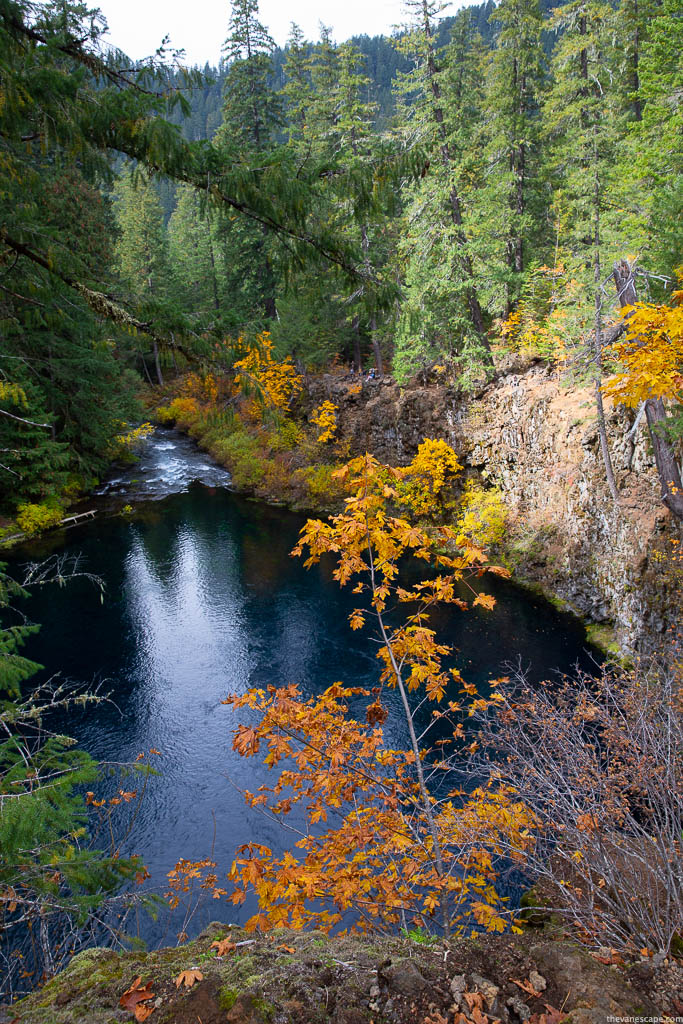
{"x":287,"y":436}
{"x":241,"y":454}
{"x":482,"y":518}
{"x":321,"y":484}
{"x":427,"y":481}
{"x":123,"y":445}
{"x":184,"y":412}
{"x":33,"y":519}
{"x":599,"y":763}
{"x":325,"y":419}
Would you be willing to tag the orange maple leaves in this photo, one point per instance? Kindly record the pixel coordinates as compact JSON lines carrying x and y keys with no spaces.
{"x":378,"y":843}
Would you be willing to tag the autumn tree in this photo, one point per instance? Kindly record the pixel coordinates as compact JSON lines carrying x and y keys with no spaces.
{"x":650,"y":376}
{"x":390,"y":836}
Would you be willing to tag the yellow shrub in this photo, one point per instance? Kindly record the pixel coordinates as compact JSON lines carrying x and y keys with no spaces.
{"x":482,"y":516}
{"x":325,"y":419}
{"x":202,"y":388}
{"x":128,"y":441}
{"x":182,"y":411}
{"x":287,"y":436}
{"x":321,"y":483}
{"x":428,"y":477}
{"x":33,"y":519}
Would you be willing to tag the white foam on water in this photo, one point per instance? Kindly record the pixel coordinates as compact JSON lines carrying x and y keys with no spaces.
{"x":167,"y":465}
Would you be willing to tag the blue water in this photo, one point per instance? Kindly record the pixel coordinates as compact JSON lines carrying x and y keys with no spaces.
{"x":202,"y":599}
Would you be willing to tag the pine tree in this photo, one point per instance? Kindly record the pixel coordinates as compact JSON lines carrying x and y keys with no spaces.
{"x":581,"y":116}
{"x":512,"y":137}
{"x":142,"y":246}
{"x":193,"y":256}
{"x":297,"y":89}
{"x":251,"y":108}
{"x":443,"y":314}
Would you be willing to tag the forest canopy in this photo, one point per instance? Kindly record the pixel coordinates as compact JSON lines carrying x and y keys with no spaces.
{"x":148,"y":225}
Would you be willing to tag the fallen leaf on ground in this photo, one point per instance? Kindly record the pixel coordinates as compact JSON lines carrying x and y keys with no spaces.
{"x":474,"y":1000}
{"x":287,"y":949}
{"x":188,"y":978}
{"x":223,"y":946}
{"x":142,"y":1012}
{"x":134,"y":996}
{"x":553,"y":1016}
{"x":526,"y":986}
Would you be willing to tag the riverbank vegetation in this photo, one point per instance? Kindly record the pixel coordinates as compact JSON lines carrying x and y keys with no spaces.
{"x":61,"y":863}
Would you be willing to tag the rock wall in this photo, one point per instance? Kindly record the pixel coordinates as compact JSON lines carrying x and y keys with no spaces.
{"x":534,"y":435}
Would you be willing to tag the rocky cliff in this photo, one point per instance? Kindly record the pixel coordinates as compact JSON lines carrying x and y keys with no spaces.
{"x":533,"y":434}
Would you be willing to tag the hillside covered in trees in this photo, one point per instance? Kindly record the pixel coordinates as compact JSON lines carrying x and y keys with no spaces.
{"x":485,"y":205}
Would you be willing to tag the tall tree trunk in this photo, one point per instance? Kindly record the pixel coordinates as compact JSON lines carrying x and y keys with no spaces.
{"x":157,"y":365}
{"x":357,"y":364}
{"x":635,"y":68}
{"x":597,"y":337}
{"x":377,"y":351}
{"x":214,"y":279}
{"x":376,"y":347}
{"x":655,"y":411}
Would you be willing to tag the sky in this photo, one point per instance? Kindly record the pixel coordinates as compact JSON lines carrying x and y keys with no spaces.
{"x":200,"y":26}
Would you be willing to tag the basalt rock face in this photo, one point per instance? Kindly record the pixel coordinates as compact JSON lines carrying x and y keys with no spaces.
{"x":534,"y":435}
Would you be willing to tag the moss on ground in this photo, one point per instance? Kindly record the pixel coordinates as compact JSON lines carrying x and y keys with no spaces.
{"x":347,"y":980}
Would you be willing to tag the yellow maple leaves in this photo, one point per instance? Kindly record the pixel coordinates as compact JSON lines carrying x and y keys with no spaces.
{"x":274,"y":382}
{"x":432,"y":469}
{"x":651,"y":355}
{"x":376,"y":842}
{"x":324,"y":416}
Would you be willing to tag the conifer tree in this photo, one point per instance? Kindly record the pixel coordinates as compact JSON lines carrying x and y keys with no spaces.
{"x":443,"y":314}
{"x":512,"y":134}
{"x":193,"y":256}
{"x":51,"y":880}
{"x":581,"y":119}
{"x":142,"y":246}
{"x":297,"y":89}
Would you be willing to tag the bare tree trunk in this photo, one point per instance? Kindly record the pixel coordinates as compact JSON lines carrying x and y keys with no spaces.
{"x":357,"y":364}
{"x":597,"y":343}
{"x":146,"y":369}
{"x":157,"y":365}
{"x":655,"y":411}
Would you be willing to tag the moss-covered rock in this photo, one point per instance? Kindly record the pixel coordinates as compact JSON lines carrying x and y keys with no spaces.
{"x":306,"y":978}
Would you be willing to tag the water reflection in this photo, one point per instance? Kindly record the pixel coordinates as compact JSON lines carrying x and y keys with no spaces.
{"x":203,"y":599}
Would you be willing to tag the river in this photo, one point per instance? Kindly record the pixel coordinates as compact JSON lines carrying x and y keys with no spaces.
{"x":202,"y":598}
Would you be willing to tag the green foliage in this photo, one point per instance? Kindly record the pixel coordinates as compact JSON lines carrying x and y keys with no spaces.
{"x":33,"y":519}
{"x":240,"y":452}
{"x":49,"y":871}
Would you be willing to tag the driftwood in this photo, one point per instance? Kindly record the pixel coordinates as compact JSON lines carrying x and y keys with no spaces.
{"x":76,"y":518}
